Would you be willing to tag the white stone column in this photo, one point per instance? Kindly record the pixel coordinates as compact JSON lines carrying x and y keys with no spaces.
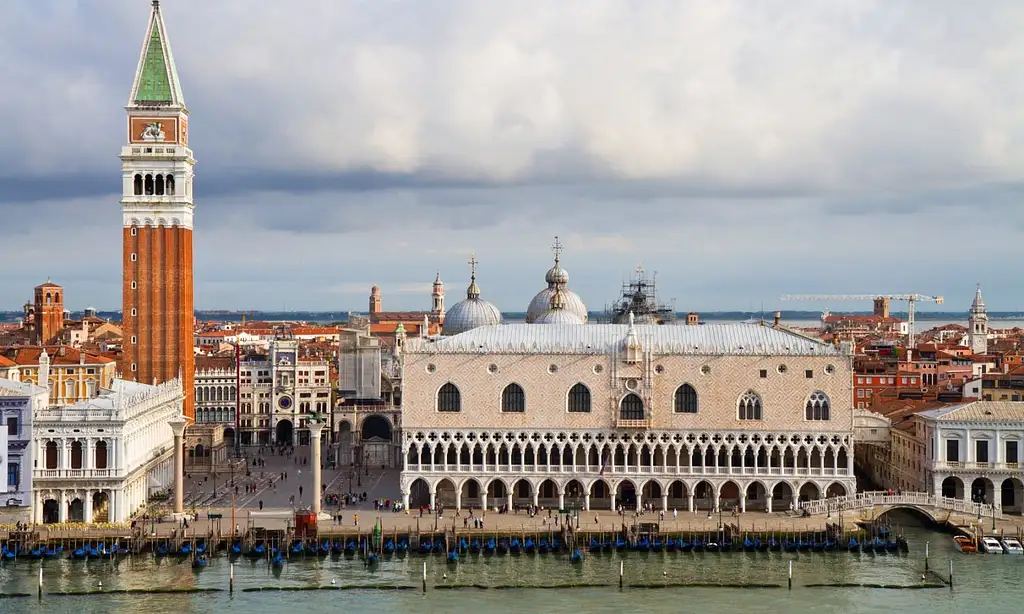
{"x":689,"y":501}
{"x":315,"y":428}
{"x":483,"y":500}
{"x":405,"y":499}
{"x":612,"y":497}
{"x":433,"y":499}
{"x":586,"y":501}
{"x":509,"y":500}
{"x":536,"y":496}
{"x":87,"y":507}
{"x":62,"y":511}
{"x":561,"y":500}
{"x":664,"y":502}
{"x":177,"y":425}
{"x":768,"y":500}
{"x":743,"y":502}
{"x":458,"y":499}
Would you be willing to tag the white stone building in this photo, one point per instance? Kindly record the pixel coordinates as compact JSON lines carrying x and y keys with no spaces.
{"x":974,"y":452}
{"x":18,"y":402}
{"x":279,"y":394}
{"x":98,"y":460}
{"x":586,"y":415}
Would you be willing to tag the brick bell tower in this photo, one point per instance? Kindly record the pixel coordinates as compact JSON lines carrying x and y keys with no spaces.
{"x":157,"y":207}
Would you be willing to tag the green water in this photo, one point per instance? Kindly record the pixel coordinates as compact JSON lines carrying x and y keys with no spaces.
{"x":982,"y":583}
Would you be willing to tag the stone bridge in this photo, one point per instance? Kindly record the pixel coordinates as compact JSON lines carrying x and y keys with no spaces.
{"x":869,"y":427}
{"x":935,"y":507}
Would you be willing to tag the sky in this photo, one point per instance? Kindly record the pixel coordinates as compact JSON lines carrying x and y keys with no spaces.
{"x":743,"y":150}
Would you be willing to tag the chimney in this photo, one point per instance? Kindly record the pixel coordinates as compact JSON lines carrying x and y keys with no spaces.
{"x":778,"y":318}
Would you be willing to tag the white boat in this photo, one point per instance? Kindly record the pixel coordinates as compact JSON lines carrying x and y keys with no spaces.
{"x":991,"y":545}
{"x":1012,"y":546}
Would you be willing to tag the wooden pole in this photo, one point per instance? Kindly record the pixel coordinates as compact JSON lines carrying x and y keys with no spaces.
{"x":425,"y":575}
{"x":926,"y":556}
{"x":950,"y":573}
{"x":790,"y":575}
{"x":231,"y":580}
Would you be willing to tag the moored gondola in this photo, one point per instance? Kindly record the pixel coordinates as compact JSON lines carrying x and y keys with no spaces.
{"x":199,"y":561}
{"x":452,"y":557}
{"x":577,"y":556}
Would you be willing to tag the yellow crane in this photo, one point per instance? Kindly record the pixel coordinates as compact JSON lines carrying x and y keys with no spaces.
{"x":881,"y":302}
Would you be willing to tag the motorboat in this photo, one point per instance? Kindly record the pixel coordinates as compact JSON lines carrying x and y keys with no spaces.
{"x":1012,"y":546}
{"x":991,"y":545}
{"x":965,"y":544}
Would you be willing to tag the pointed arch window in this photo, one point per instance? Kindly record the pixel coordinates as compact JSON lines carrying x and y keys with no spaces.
{"x":449,"y":398}
{"x":631,"y":407}
{"x":750,"y":406}
{"x":513,"y":399}
{"x":686,"y":400}
{"x":818,"y":407}
{"x":579,"y":399}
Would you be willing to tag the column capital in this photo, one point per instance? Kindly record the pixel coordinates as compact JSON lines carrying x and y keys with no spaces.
{"x":315,"y":428}
{"x":178,"y":424}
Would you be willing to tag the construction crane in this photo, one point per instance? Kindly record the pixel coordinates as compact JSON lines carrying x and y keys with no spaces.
{"x":881,"y":302}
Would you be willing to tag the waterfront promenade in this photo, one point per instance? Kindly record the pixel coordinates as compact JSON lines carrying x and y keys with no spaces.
{"x":212,"y":495}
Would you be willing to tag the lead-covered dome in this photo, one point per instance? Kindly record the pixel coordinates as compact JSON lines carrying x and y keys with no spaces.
{"x":557,"y":313}
{"x":472,"y":312}
{"x":557,"y":279}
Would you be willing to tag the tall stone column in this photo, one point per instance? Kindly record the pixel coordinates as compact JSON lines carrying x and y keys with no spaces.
{"x":315,"y":428}
{"x":177,"y":425}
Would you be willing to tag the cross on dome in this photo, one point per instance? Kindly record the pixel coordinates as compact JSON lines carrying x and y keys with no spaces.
{"x":556,"y":248}
{"x":472,"y":265}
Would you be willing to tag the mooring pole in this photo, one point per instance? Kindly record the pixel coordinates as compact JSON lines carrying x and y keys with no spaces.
{"x":790,"y":575}
{"x":926,"y":556}
{"x":621,"y":570}
{"x":231,"y":580}
{"x":40,"y":580}
{"x":950,"y":573}
{"x":424,"y":577}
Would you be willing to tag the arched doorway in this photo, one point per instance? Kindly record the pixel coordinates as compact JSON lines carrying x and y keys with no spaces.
{"x":229,"y":436}
{"x":953,"y":488}
{"x":419,"y":493}
{"x":982,"y":491}
{"x":677,"y":495}
{"x":376,"y":441}
{"x":444,"y":494}
{"x":471,"y":492}
{"x":600,"y":495}
{"x":782,"y":496}
{"x":810,"y":492}
{"x":625,"y":494}
{"x":574,"y":492}
{"x":652,"y":493}
{"x":522,"y":493}
{"x":497,"y":494}
{"x":100,"y":507}
{"x":1012,"y":496}
{"x":76,"y":511}
{"x":729,"y":495}
{"x":51,"y":512}
{"x":703,"y":496}
{"x":283,"y":433}
{"x":757,"y":497}
{"x":835,"y":489}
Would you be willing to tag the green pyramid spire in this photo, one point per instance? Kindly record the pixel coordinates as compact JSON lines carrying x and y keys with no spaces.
{"x":156,"y":80}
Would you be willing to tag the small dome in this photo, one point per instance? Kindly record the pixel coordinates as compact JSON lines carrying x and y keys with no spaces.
{"x":472,"y":312}
{"x":542,"y":302}
{"x":557,"y":275}
{"x":469,"y":314}
{"x":558,"y":316}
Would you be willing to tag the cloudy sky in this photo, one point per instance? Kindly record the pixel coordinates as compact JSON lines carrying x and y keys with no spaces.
{"x":741,"y":149}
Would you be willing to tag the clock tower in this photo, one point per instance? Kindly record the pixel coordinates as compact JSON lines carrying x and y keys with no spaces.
{"x":157,"y":207}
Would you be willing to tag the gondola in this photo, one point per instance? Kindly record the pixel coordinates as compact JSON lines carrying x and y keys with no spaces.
{"x":684,"y":546}
{"x":463,"y":546}
{"x":671,"y":545}
{"x":185,"y":550}
{"x":880,"y":546}
{"x":515,"y":546}
{"x":502,"y":546}
{"x":642,"y":544}
{"x":621,"y":544}
{"x":161,"y":550}
{"x":350,"y":547}
{"x":438,"y":546}
{"x":490,"y":546}
{"x":337,"y":548}
{"x":891,"y":547}
{"x":425,"y":546}
{"x":403,"y":546}
{"x":595,"y":546}
{"x":853,"y":545}
{"x":750,"y":545}
{"x":452,"y":557}
{"x":79,"y":554}
{"x":475,"y":547}
{"x":530,"y":546}
{"x":296,"y":548}
{"x":236,"y":549}
{"x":577,"y":556}
{"x":277,"y":561}
{"x":53,"y":553}
{"x":698,"y":545}
{"x":372,"y":558}
{"x":199,"y":561}
{"x":389,"y":547}
{"x":657,"y":545}
{"x":774,"y":545}
{"x":789,"y":546}
{"x":258,"y":551}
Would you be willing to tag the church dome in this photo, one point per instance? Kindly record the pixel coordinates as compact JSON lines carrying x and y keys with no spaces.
{"x":557,"y":278}
{"x":556,"y":312}
{"x":472,"y":312}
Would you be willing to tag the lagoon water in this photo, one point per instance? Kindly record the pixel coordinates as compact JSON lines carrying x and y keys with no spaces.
{"x":982,"y":583}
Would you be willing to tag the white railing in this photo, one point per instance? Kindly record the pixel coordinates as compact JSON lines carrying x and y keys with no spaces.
{"x":73,"y":473}
{"x":871,"y":499}
{"x":684,"y":471}
{"x":953,"y":465}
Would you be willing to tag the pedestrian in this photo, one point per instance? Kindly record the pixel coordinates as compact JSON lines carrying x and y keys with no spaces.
{"x":261,"y":503}
{"x":355,"y":519}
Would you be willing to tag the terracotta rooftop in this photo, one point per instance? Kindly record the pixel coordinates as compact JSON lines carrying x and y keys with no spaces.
{"x":59,"y":355}
{"x":210,"y":363}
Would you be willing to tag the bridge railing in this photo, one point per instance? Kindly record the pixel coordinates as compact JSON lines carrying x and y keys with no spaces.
{"x":865,"y":500}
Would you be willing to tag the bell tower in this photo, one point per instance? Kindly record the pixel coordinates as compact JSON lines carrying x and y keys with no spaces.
{"x":437,"y":299}
{"x":157,"y":210}
{"x":977,"y":325}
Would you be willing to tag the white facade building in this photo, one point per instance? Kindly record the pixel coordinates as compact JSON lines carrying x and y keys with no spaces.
{"x":684,"y":417}
{"x":974,"y":452}
{"x":98,"y":460}
{"x":279,"y":394}
{"x":18,"y":402}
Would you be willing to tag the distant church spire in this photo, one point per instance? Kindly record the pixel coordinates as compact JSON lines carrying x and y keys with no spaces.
{"x":977,"y":324}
